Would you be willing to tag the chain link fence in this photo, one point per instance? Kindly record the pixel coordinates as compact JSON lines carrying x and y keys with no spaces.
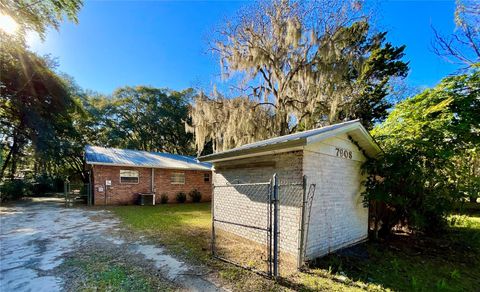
{"x":261,"y":226}
{"x":242,"y":219}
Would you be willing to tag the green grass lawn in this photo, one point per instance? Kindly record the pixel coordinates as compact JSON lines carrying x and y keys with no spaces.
{"x":183,"y":228}
{"x":448,"y":262}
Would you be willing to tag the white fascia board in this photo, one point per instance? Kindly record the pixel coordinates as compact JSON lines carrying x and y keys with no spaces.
{"x":371,"y":140}
{"x":329,"y":134}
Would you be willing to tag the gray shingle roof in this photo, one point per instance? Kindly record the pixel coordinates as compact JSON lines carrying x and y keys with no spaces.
{"x":127,"y":157}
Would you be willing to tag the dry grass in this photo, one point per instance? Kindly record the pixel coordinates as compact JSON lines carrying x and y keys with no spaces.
{"x":240,"y":250}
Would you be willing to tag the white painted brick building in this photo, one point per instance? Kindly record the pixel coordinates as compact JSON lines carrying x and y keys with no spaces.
{"x":329,"y":157}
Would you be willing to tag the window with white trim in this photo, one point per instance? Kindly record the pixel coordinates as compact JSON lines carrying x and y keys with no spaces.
{"x":177,"y":178}
{"x":206,"y":177}
{"x":129,"y":176}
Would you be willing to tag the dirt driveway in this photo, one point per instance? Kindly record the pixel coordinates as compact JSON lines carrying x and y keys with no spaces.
{"x":37,"y":238}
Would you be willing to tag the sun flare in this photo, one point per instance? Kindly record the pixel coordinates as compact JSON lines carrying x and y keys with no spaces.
{"x":8,"y":24}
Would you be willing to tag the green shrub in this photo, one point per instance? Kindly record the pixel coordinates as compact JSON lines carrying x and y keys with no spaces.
{"x":163,"y":198}
{"x":195,"y":195}
{"x":181,"y":197}
{"x":14,"y":190}
{"x":58,"y":184}
{"x":43,"y":184}
{"x":41,"y":189}
{"x":429,"y":147}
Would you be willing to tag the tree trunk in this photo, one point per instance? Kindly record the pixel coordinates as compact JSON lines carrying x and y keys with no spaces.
{"x":5,"y":163}
{"x":15,"y":150}
{"x":282,"y":122}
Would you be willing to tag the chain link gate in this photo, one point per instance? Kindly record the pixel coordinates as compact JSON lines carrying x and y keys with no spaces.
{"x":260,"y":226}
{"x":77,"y":191}
{"x":242,"y":225}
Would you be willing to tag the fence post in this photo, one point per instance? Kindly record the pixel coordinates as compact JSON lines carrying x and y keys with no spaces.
{"x":66,"y":192}
{"x":213,"y":220}
{"x":301,"y":246}
{"x":275,"y":225}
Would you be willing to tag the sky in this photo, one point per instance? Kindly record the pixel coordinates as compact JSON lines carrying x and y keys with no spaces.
{"x":164,"y":43}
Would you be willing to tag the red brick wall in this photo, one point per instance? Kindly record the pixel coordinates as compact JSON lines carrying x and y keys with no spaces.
{"x":124,"y":194}
{"x":193,"y":180}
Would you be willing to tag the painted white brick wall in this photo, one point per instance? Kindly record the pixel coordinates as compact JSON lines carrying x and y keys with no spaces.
{"x":338,"y":218}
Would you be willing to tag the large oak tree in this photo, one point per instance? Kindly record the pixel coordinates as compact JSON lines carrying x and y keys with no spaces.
{"x":306,"y":63}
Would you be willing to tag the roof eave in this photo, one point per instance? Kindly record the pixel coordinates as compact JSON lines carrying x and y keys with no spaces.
{"x":223,"y":156}
{"x":372,"y":142}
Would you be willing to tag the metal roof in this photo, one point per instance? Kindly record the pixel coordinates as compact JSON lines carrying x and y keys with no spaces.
{"x":127,"y":157}
{"x":299,"y":140}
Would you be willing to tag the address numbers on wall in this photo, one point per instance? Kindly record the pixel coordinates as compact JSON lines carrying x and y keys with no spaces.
{"x":343,"y":153}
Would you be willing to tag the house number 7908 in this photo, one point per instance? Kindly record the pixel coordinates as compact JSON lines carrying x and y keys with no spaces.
{"x":343,"y":153}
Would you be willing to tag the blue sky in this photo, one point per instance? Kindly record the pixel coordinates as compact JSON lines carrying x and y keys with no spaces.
{"x":163,"y":44}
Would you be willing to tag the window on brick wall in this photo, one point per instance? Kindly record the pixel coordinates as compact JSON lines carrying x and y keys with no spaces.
{"x":129,"y":176}
{"x":206,"y":177}
{"x":178,"y":178}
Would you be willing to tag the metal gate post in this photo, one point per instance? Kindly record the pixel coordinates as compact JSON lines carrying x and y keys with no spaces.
{"x":269,"y":228}
{"x":275,"y":225}
{"x":66,"y":191}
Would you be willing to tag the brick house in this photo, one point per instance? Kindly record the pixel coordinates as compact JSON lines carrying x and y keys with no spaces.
{"x":118,"y":176}
{"x":330,"y":158}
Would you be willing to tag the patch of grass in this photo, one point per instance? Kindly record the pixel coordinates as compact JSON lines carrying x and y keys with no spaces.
{"x":185,"y":229}
{"x":182,"y":228}
{"x":102,"y":271}
{"x":449,"y":262}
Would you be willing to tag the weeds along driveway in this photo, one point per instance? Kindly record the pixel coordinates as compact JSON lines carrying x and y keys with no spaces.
{"x":40,"y":238}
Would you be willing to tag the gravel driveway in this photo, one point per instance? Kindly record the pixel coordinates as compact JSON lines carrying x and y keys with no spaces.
{"x":36,"y":237}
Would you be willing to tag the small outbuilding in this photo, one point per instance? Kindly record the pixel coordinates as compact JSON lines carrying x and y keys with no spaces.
{"x":328,"y":158}
{"x":121,"y":176}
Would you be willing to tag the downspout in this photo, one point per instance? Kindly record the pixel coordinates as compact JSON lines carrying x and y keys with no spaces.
{"x":90,"y":187}
{"x":153,"y":185}
{"x":152,"y":188}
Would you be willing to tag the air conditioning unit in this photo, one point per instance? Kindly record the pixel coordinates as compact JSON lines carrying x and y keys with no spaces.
{"x":146,"y":199}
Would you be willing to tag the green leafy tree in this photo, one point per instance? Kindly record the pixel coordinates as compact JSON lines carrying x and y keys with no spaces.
{"x":37,"y":16}
{"x":64,"y":155}
{"x":148,"y":118}
{"x":427,"y":140}
{"x":34,"y":103}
